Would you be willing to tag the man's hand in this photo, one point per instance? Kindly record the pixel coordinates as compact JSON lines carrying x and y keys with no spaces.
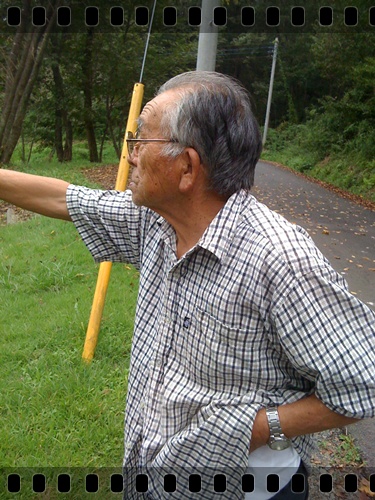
{"x":43,"y":195}
{"x":306,"y":416}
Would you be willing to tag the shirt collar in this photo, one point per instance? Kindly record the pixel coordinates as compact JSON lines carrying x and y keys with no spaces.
{"x":218,"y":235}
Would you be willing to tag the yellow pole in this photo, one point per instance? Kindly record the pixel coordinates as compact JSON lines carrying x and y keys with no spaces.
{"x":105,"y":267}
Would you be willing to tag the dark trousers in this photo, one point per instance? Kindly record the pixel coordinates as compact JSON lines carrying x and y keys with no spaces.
{"x":287,"y":493}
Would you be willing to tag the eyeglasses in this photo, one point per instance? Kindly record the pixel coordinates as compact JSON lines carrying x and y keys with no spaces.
{"x":132,"y":141}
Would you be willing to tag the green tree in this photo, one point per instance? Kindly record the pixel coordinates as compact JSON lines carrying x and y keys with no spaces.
{"x":23,"y":61}
{"x":63,"y":123}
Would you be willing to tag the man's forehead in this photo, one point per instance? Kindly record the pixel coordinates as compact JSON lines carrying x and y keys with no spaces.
{"x":154,"y":108}
{"x":150,"y":109}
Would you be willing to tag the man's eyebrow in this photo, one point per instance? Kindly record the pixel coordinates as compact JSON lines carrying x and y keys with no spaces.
{"x":140,"y":124}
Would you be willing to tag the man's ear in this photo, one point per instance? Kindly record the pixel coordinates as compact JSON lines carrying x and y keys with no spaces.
{"x":191,"y":169}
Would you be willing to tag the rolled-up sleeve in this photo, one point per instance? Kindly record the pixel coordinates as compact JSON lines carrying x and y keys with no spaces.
{"x":329,"y":337}
{"x":108,"y":222}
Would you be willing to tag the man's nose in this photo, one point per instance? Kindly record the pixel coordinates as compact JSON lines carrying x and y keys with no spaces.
{"x":131,"y":159}
{"x":133,"y":155}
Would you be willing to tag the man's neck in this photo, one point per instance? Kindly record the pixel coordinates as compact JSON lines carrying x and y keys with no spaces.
{"x":192,"y":218}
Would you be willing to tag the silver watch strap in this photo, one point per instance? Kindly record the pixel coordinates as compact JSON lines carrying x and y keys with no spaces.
{"x":274,"y":423}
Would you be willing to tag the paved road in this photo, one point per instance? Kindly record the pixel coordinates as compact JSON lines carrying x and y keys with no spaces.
{"x":343,"y":230}
{"x":345,"y":233}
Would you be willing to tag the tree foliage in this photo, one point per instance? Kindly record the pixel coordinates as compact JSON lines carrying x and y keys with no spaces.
{"x":22,"y":64}
{"x":64,"y":85}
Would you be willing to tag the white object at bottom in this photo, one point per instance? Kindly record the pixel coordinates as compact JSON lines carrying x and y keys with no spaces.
{"x":264,"y":461}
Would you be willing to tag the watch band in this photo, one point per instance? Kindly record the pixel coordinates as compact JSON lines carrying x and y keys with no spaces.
{"x":277,"y":441}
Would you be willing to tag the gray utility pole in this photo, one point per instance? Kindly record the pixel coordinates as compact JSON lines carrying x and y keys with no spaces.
{"x":270,"y":91}
{"x":208,"y":34}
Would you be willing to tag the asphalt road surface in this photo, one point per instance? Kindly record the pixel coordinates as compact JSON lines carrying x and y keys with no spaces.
{"x":343,"y":230}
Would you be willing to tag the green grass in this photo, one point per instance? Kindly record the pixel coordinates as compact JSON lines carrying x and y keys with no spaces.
{"x":43,"y":159}
{"x":56,"y":410}
{"x":349,"y":453}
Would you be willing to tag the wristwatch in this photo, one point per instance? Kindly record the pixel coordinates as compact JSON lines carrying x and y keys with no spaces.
{"x":277,"y":441}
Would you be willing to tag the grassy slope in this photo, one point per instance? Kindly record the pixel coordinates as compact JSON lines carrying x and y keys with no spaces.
{"x":54,"y":409}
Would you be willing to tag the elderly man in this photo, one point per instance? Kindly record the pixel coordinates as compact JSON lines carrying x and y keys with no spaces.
{"x":246,"y":341}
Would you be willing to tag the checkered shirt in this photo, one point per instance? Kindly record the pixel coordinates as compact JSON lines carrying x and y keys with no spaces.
{"x":253,"y":315}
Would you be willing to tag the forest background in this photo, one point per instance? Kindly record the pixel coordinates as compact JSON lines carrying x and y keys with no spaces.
{"x":61,"y":87}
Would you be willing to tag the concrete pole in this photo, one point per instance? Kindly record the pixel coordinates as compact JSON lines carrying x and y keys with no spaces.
{"x":208,"y":35}
{"x":270,"y":91}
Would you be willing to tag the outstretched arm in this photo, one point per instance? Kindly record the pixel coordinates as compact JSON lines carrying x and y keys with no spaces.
{"x":43,"y":195}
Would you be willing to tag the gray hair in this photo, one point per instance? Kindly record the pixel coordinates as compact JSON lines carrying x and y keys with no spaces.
{"x":213,"y":115}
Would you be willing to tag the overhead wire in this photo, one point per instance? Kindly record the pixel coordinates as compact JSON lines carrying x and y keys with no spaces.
{"x":147,"y":41}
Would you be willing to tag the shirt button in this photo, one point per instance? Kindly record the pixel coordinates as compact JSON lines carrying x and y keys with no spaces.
{"x":187,"y":322}
{"x":158,"y":361}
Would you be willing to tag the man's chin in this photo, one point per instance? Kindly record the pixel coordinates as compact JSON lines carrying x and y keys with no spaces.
{"x":135,"y":198}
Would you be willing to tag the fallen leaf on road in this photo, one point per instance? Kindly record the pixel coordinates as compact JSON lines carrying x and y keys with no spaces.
{"x":364,"y":487}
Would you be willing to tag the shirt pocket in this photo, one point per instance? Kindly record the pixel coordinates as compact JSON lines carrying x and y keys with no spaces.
{"x":224,"y":358}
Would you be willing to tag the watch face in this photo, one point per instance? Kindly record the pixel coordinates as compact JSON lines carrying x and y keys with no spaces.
{"x":279,"y":445}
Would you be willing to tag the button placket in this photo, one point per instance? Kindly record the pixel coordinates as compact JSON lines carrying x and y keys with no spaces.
{"x":172,"y":320}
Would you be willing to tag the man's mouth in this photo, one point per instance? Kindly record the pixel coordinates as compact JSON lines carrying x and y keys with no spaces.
{"x":133,"y":182}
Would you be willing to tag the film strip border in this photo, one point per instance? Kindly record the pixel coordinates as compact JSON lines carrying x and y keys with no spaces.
{"x":233,"y":18}
{"x":112,"y":482}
